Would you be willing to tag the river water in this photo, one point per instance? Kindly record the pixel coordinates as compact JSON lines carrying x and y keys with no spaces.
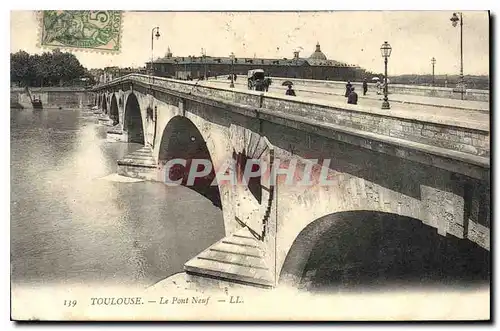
{"x":70,"y":224}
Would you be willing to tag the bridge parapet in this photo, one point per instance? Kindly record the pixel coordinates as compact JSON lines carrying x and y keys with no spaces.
{"x":440,"y":132}
{"x":442,"y":92}
{"x":249,"y":98}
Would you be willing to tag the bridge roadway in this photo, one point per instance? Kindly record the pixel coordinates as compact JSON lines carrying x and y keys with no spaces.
{"x":422,"y":95}
{"x":441,"y":110}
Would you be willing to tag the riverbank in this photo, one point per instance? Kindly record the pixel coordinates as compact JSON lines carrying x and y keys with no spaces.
{"x":53,"y":97}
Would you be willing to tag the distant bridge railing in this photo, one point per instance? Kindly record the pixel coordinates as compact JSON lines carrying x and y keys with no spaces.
{"x":50,"y":89}
{"x":448,"y":138}
{"x":430,"y":91}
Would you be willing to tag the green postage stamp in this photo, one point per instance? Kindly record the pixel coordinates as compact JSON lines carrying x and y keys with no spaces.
{"x":98,"y":30}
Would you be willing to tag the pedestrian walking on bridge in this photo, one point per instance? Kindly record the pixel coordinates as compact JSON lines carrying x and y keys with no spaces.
{"x":353,"y":97}
{"x":365,"y":86}
{"x":348,"y":87}
{"x":290,"y":91}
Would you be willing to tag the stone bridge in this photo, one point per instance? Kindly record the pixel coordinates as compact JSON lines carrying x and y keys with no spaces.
{"x":385,"y":168}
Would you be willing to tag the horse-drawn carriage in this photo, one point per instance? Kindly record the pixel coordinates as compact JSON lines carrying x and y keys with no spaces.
{"x":257,"y":80}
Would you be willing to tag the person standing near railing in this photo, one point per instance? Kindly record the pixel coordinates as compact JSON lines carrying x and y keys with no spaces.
{"x":353,"y":97}
{"x":348,"y":87}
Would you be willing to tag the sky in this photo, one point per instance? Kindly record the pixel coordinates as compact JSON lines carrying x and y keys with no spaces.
{"x":352,"y":37}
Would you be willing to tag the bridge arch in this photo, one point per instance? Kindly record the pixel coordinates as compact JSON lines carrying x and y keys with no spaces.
{"x":113,"y":112}
{"x":133,"y":124}
{"x":181,"y":139}
{"x":366,"y":249}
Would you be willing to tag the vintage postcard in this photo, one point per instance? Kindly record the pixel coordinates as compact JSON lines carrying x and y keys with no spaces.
{"x":244,"y":166}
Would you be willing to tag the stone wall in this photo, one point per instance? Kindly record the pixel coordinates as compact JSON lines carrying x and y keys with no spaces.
{"x":367,"y":180}
{"x":52,"y":97}
{"x":15,"y":101}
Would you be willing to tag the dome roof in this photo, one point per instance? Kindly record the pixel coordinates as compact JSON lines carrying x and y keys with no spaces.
{"x":318,"y":54}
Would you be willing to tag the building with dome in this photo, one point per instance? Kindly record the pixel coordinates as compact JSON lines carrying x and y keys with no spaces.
{"x":316,"y":66}
{"x":318,"y":54}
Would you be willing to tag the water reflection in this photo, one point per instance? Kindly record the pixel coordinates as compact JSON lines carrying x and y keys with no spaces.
{"x":70,"y":226}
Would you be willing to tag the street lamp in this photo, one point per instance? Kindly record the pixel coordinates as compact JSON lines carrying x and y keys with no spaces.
{"x":454,"y":20}
{"x":203,"y":55}
{"x":232,"y":69}
{"x":433,"y":61}
{"x":386,"y":50}
{"x":157,"y":35}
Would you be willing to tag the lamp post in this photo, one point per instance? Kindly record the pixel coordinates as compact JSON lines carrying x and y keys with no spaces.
{"x":203,"y":56}
{"x":385,"y":50}
{"x":157,"y":35}
{"x":232,"y":69}
{"x":454,"y":20}
{"x":433,"y":61}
